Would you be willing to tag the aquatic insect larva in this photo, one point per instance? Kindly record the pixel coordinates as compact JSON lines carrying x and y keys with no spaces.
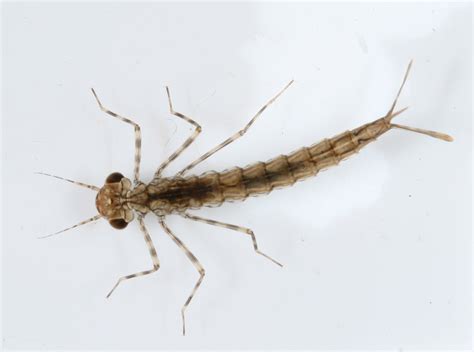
{"x":119,"y":200}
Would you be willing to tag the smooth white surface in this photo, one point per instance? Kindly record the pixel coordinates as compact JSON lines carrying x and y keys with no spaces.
{"x":376,"y":251}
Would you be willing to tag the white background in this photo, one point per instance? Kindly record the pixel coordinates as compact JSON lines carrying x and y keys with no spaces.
{"x":376,"y":251}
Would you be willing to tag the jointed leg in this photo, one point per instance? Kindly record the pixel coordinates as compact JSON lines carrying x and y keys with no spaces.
{"x":193,"y":260}
{"x":186,"y":143}
{"x":231,"y":227}
{"x":138,"y":137}
{"x":233,"y":137}
{"x":154,"y":257}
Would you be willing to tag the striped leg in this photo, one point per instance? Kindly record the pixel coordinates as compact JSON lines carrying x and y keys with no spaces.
{"x":186,"y":143}
{"x":138,"y":136}
{"x":234,"y":136}
{"x":231,"y":227}
{"x":154,"y":257}
{"x":193,"y":260}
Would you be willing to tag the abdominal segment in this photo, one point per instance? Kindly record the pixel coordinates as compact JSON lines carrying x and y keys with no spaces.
{"x":170,"y":195}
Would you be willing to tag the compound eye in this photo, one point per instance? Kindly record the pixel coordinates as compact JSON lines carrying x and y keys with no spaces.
{"x":118,"y":224}
{"x":114,"y":177}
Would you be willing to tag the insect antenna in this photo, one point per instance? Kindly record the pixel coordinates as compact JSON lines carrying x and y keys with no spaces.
{"x":390,"y":115}
{"x":85,"y":185}
{"x":94,"y":188}
{"x":94,"y":218}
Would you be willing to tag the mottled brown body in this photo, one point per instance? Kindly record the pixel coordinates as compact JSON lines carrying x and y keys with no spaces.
{"x":119,"y":201}
{"x":171,"y":195}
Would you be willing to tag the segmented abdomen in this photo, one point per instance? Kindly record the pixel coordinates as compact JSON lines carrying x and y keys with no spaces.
{"x":284,"y":170}
{"x":213,"y":188}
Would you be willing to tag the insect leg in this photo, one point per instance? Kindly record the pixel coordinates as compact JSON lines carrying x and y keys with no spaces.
{"x":138,"y":136}
{"x":234,"y":136}
{"x":186,"y":143}
{"x":154,"y":257}
{"x":231,"y":227}
{"x":193,"y":260}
